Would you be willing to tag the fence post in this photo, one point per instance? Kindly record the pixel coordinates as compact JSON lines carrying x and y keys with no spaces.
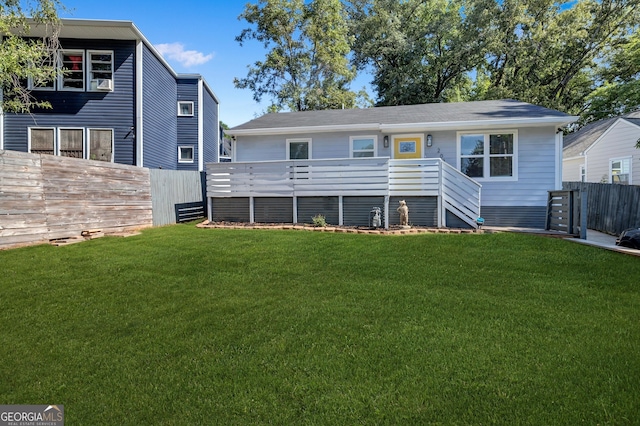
{"x":583,"y":215}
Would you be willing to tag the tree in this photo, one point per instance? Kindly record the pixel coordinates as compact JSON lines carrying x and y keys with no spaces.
{"x":546,"y":52}
{"x":418,"y":51}
{"x":306,"y":66}
{"x":23,"y":58}
{"x":619,"y":92}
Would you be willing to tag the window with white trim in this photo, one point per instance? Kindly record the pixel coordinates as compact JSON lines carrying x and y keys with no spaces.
{"x":620,"y":171}
{"x":42,"y":141}
{"x":185,"y":154}
{"x":71,"y":143}
{"x":298,"y":149}
{"x":101,"y":145}
{"x":488,"y":155}
{"x":72,"y":70}
{"x":43,"y":84}
{"x":583,"y":173}
{"x":363,"y":146}
{"x":185,"y":109}
{"x":100,"y":72}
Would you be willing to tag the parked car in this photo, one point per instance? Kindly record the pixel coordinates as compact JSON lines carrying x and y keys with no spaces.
{"x":629,"y":238}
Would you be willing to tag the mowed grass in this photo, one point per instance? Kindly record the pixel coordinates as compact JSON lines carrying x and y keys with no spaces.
{"x":198,"y":326}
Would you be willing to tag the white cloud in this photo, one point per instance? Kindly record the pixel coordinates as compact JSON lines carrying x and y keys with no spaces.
{"x":187,"y":58}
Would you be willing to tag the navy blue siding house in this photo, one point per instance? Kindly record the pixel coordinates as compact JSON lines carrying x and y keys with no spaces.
{"x":118,"y":101}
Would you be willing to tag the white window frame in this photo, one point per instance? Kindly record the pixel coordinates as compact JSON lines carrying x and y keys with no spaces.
{"x":298,"y":140}
{"x":61,"y":76}
{"x":54,"y":86}
{"x":621,"y":160}
{"x":89,"y":69}
{"x":55,"y":134}
{"x":354,"y":138}
{"x":59,"y":140}
{"x":193,"y":153}
{"x":582,"y":172}
{"x":487,"y":154}
{"x":88,"y":142}
{"x":180,"y":114}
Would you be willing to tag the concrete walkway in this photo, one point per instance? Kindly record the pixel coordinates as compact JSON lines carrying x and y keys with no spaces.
{"x":606,"y":241}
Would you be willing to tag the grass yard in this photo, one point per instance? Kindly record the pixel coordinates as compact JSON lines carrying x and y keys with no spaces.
{"x":198,"y":326}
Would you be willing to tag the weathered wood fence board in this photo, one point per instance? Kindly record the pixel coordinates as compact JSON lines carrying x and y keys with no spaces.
{"x":611,"y":208}
{"x":175,"y":190}
{"x":43,"y":197}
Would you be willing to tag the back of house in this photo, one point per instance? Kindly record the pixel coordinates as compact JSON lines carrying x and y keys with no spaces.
{"x":511,"y":149}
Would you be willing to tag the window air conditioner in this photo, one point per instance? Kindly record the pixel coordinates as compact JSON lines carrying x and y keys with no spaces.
{"x":102,"y":84}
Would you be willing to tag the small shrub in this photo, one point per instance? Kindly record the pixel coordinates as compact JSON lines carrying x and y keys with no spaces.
{"x":319,"y":221}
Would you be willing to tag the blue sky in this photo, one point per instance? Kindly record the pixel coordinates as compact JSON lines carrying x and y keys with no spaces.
{"x":195,"y":36}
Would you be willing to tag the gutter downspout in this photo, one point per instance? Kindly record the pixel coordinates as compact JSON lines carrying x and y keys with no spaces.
{"x":200,"y":126}
{"x":139,"y":104}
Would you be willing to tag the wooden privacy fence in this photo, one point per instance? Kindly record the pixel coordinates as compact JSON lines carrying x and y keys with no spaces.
{"x":611,"y":208}
{"x":177,"y":196}
{"x":44,"y":197}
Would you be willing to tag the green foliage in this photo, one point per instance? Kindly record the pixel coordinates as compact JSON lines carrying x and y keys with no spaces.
{"x":419,"y":51}
{"x":183,"y":325}
{"x":319,"y":221}
{"x":24,"y":58}
{"x":306,"y":66}
{"x":538,"y":51}
{"x":620,"y":91}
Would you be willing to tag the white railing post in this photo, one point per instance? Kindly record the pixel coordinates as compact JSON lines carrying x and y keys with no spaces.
{"x":442,"y":212}
{"x":251,"y":212}
{"x":340,"y":211}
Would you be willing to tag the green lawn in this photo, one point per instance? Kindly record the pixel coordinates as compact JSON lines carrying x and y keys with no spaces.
{"x":199,"y":326}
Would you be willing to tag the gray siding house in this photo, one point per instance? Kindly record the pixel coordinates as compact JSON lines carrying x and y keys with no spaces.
{"x":118,"y":101}
{"x":604,"y":152}
{"x":451,"y":162}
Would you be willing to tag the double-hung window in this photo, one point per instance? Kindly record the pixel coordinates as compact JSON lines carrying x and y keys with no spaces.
{"x":488,"y":155}
{"x":620,"y":171}
{"x":101,"y":144}
{"x":42,"y":141}
{"x":71,"y":143}
{"x":100,"y":70}
{"x":363,"y":146}
{"x":41,"y":82}
{"x":72,"y":70}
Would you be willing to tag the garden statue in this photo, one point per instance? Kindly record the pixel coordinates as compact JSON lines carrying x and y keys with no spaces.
{"x":404,"y":213}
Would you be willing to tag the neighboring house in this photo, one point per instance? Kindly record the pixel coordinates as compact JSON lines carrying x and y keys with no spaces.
{"x":117,"y":101}
{"x":451,"y":162}
{"x":604,"y":152}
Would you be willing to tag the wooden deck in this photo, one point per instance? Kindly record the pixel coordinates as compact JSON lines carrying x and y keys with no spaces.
{"x":350,"y":177}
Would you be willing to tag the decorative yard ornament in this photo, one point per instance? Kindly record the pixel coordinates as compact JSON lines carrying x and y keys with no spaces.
{"x":404,"y":213}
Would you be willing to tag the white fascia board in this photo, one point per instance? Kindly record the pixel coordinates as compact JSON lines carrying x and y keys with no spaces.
{"x":305,"y":129}
{"x":410,"y":127}
{"x":462,"y":125}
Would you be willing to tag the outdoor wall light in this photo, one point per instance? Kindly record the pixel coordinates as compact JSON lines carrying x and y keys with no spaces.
{"x":385,"y":141}
{"x":429,"y":140}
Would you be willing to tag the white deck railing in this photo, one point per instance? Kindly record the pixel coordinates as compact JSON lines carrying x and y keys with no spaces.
{"x":378,"y":176}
